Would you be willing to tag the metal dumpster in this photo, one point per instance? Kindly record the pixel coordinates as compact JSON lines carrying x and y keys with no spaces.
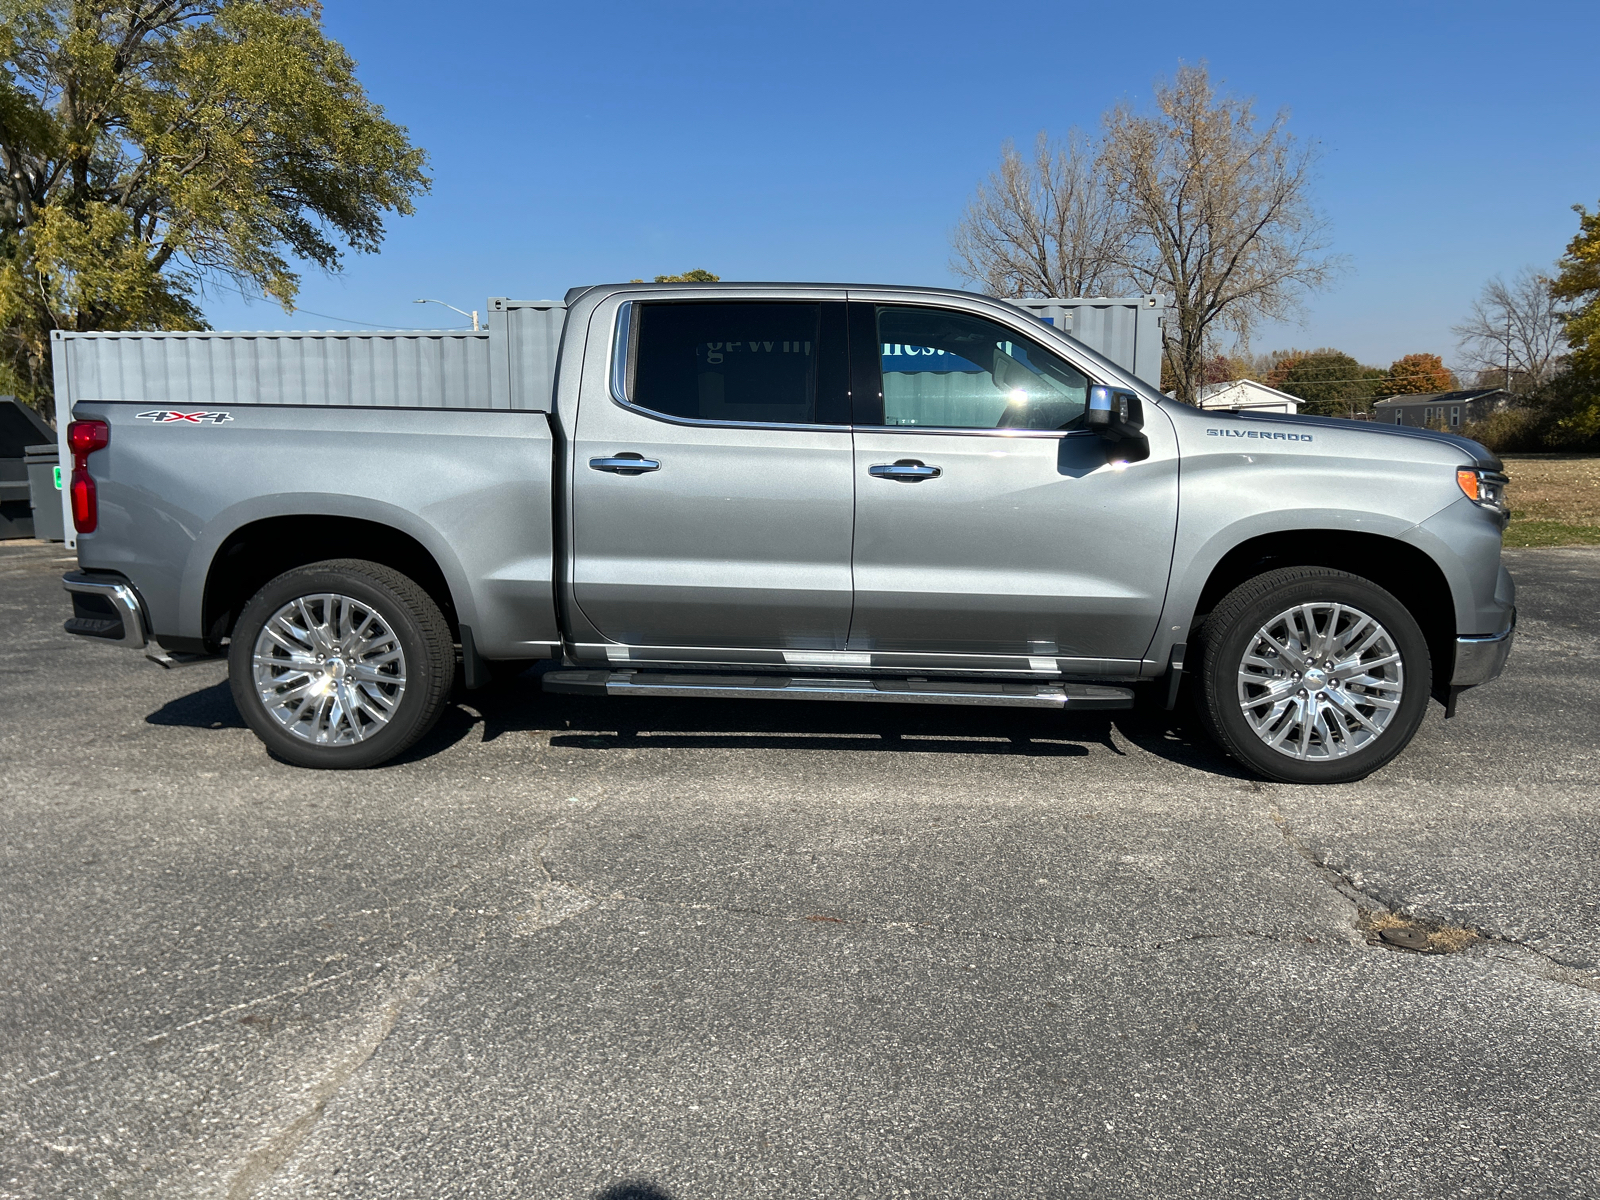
{"x":44,"y":492}
{"x":20,"y":427}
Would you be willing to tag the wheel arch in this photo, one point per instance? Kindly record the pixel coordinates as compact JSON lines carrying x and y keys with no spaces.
{"x":1401,"y":569}
{"x":260,"y":549}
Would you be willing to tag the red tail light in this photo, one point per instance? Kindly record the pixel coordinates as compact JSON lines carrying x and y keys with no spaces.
{"x":85,"y":505}
{"x":83,"y":439}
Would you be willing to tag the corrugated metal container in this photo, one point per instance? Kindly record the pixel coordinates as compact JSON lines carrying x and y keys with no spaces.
{"x":1127,"y":330}
{"x":529,"y":331}
{"x":509,"y":366}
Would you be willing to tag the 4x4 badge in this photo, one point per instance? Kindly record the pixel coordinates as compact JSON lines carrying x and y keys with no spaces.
{"x":167,"y":416}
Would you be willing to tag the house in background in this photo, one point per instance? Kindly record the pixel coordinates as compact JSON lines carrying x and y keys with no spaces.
{"x":1441,"y":410}
{"x":1246,"y":395}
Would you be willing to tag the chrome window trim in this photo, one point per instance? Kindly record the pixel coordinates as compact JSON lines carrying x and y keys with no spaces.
{"x":621,"y":332}
{"x":961,"y":431}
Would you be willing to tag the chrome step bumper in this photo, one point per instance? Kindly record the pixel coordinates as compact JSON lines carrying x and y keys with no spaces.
{"x":1076,"y":696}
{"x":105,"y":608}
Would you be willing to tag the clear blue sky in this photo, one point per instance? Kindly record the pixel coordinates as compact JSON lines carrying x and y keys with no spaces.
{"x":582,"y":143}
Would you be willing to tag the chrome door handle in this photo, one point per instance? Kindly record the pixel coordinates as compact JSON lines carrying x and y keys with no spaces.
{"x":907,"y":470}
{"x":625,"y":464}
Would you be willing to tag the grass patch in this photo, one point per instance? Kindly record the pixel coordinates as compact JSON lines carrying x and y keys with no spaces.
{"x":1441,"y":938}
{"x":1555,"y":499}
{"x":1521,"y":534}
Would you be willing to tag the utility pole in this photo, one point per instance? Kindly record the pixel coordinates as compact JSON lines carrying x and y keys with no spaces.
{"x":1508,"y":352}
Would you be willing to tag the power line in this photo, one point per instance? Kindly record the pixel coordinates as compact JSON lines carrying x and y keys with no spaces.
{"x":1300,"y":382}
{"x":295,"y":308}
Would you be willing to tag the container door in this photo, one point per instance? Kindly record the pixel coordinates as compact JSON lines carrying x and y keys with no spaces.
{"x":988,"y":522}
{"x":712,"y":495}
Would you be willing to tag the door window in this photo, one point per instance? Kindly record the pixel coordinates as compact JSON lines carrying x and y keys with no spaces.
{"x":951,"y":370}
{"x":739,"y":363}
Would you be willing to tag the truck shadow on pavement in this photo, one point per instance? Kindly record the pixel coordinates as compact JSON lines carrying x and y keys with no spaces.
{"x":636,"y":1189}
{"x":209,"y":708}
{"x":580,"y":722}
{"x":635,"y":723}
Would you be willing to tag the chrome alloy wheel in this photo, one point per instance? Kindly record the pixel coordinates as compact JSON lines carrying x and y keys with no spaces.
{"x":1320,"y":681}
{"x":329,"y":669}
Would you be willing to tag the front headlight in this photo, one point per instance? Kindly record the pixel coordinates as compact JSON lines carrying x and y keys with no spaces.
{"x":1487,"y":488}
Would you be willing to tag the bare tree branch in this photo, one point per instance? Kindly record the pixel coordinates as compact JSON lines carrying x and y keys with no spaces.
{"x":1514,"y":328}
{"x":1045,"y":228}
{"x":1219,"y":215}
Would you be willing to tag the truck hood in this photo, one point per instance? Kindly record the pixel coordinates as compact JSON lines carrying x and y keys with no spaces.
{"x":1481,"y":457}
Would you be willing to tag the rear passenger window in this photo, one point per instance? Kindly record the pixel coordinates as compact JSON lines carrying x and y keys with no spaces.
{"x":736,"y":362}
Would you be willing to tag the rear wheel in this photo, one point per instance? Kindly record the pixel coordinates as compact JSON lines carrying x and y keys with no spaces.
{"x":1310,"y":675}
{"x":341,"y":664}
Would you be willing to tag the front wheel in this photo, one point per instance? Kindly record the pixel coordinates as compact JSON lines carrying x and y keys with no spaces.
{"x":1310,"y":675}
{"x":341,"y":664}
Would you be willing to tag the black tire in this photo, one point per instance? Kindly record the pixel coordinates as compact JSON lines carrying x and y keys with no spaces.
{"x":1228,"y":632}
{"x":418,"y":625}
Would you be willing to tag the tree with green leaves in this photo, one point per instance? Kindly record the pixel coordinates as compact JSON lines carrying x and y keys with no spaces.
{"x":1327,"y":381}
{"x":698,"y":275}
{"x":150,"y":146}
{"x":1578,"y":281}
{"x":1577,"y":391}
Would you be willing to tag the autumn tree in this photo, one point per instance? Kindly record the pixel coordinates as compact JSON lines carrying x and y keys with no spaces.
{"x":1196,"y":199}
{"x":1578,"y":282}
{"x":150,"y":146}
{"x":1417,"y":375}
{"x":1514,"y":329}
{"x":1219,"y":214}
{"x":1049,"y":226}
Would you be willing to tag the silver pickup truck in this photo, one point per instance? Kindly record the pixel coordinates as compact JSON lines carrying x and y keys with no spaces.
{"x":907,"y":495}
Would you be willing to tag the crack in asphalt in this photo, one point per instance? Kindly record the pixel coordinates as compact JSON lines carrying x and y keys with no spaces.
{"x":578,"y":900}
{"x":1364,"y":898}
{"x":157,"y":1038}
{"x":540,"y":919}
{"x":268,"y":1158}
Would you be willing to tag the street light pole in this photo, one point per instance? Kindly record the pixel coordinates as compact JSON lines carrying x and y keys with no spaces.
{"x":473,"y":314}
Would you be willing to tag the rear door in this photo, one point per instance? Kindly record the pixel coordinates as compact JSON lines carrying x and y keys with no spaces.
{"x":712,"y":491}
{"x":989,"y":523}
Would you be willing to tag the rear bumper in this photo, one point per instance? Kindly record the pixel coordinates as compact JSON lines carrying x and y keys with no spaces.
{"x":1480,"y":659}
{"x":105,"y":607}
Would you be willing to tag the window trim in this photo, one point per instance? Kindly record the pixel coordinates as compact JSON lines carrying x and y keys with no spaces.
{"x":859,"y":359}
{"x":624,"y":354}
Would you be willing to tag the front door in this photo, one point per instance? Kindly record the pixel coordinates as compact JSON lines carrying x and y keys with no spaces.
{"x":988,"y":522}
{"x":711,"y":478}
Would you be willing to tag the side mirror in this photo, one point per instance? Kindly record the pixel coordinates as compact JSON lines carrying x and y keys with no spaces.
{"x":1115,"y":415}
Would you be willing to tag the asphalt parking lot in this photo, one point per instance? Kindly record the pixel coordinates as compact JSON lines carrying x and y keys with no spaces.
{"x":640,"y":949}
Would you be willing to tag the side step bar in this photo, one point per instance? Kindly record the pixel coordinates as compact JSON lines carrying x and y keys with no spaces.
{"x":1076,"y":696}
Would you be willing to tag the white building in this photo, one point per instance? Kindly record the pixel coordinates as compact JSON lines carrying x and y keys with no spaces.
{"x":1246,"y":395}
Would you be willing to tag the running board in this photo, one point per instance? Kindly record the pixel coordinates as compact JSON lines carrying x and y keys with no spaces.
{"x":1077,"y":696}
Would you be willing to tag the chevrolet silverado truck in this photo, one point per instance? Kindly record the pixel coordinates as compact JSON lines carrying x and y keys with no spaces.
{"x":902,"y":495}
